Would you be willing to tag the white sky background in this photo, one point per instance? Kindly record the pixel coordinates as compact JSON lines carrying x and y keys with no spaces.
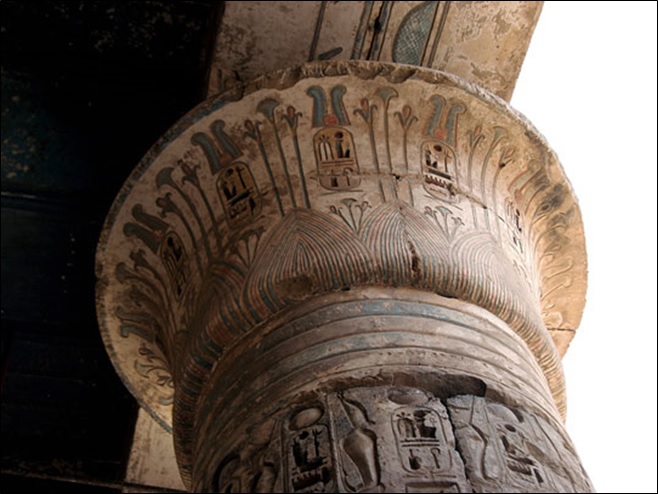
{"x":589,"y":86}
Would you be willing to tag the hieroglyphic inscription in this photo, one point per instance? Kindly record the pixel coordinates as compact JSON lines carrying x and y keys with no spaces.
{"x":509,"y":450}
{"x":239,"y":195}
{"x":307,"y":452}
{"x":368,"y":439}
{"x":335,"y":153}
{"x":439,"y":161}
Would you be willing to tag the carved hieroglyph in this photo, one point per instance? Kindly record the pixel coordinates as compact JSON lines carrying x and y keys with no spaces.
{"x":506,"y":446}
{"x":344,"y":441}
{"x":401,"y":439}
{"x":324,"y":179}
{"x":369,"y":391}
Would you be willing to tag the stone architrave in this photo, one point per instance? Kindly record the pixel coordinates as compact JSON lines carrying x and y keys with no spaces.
{"x":313,"y":277}
{"x":482,"y":42}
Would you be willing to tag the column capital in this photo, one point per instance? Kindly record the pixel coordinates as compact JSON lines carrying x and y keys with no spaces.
{"x":326,"y":178}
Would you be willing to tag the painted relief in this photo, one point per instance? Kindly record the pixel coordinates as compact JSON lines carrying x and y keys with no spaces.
{"x":447,"y":222}
{"x":353,"y":216}
{"x":335,"y":153}
{"x":219,"y":151}
{"x":239,"y":195}
{"x":148,"y":228}
{"x":175,"y":260}
{"x":336,"y":159}
{"x":156,"y":368}
{"x":439,"y":170}
{"x":439,"y":161}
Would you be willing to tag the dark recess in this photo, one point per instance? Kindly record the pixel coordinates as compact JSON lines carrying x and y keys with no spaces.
{"x":87,"y":88}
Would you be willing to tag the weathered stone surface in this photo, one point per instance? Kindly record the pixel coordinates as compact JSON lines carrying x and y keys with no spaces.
{"x":482,"y":42}
{"x":363,"y":391}
{"x":325,"y":180}
{"x":505,"y":449}
{"x":152,"y":461}
{"x":562,"y":338}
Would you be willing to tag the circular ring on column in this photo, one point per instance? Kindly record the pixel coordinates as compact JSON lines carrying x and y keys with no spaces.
{"x":362,"y":391}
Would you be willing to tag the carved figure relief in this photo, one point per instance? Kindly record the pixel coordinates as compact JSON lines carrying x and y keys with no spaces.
{"x":507,"y":448}
{"x":517,"y":449}
{"x":254,"y":467}
{"x":239,"y":195}
{"x":402,"y":439}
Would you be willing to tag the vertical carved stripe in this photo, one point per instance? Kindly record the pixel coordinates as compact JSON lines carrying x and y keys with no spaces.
{"x":367,"y":113}
{"x":165,"y":177}
{"x":302,"y":179}
{"x":499,"y":134}
{"x":381,"y":26}
{"x":292,"y":118}
{"x":253,"y":131}
{"x":439,"y":32}
{"x":316,"y":32}
{"x":268,"y":108}
{"x":362,"y":30}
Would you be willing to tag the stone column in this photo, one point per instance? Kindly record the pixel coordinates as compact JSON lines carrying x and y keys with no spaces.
{"x":341,"y":277}
{"x":382,"y":390}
